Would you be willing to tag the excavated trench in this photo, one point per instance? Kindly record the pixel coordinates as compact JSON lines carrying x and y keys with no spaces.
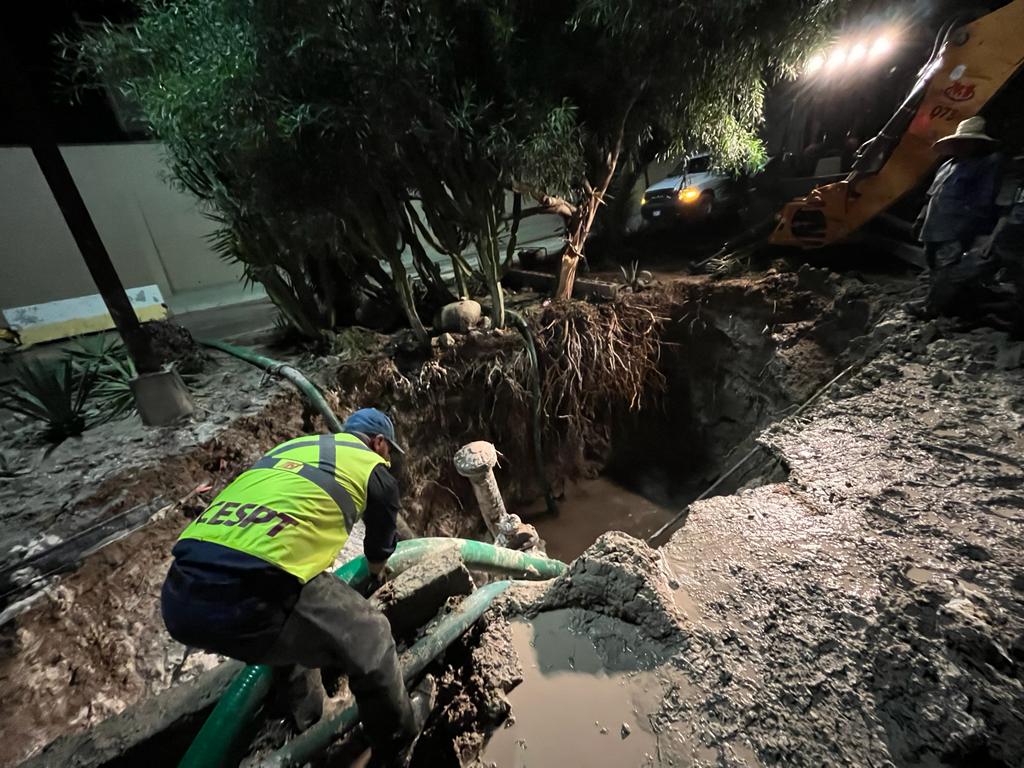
{"x":731,"y":358}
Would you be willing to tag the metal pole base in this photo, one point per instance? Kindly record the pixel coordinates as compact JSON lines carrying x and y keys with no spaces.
{"x":162,"y":398}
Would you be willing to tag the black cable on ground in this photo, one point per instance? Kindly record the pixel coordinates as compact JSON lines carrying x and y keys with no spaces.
{"x":753,"y":452}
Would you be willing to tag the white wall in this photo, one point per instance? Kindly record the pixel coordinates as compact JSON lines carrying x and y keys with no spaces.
{"x":154,"y":233}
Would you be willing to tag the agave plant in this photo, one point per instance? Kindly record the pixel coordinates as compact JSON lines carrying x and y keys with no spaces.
{"x":635,"y":278}
{"x":96,"y":351}
{"x":107,"y":356}
{"x":55,"y":393}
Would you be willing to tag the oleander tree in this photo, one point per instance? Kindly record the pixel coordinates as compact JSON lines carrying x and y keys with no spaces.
{"x":347,"y":149}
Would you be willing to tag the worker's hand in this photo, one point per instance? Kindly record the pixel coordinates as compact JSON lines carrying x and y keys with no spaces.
{"x":378,"y":575}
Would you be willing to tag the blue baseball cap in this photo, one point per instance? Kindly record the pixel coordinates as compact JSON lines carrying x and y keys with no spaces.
{"x":371,"y":422}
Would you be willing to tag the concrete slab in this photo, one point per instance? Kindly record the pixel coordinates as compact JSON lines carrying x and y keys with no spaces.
{"x":415,"y":596}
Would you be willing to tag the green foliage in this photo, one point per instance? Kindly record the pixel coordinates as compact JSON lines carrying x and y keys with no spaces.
{"x":327,"y":137}
{"x":634,"y":278}
{"x":603,"y":86}
{"x":53,"y":392}
{"x":96,"y":351}
{"x":106,"y":356}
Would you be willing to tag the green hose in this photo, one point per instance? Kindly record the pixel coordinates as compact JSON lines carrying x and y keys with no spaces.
{"x":276,"y":367}
{"x":220,"y":735}
{"x":316,"y":739}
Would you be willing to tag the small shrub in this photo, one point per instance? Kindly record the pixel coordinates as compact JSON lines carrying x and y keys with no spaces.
{"x":55,"y":393}
{"x":107,"y":356}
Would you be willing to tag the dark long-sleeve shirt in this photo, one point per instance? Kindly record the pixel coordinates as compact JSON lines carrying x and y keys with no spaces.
{"x":383,"y":501}
{"x":962,"y":198}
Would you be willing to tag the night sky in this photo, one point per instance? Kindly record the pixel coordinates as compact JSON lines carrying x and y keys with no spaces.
{"x":30,"y":31}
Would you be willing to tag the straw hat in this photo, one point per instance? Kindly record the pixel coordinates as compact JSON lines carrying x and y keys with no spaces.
{"x":971,"y":129}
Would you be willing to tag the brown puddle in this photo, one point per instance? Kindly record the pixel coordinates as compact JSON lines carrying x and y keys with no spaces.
{"x":919,"y":575}
{"x":592,"y":507}
{"x":568,"y":711}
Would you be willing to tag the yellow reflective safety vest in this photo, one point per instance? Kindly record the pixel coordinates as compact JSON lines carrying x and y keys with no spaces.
{"x":294,"y":507}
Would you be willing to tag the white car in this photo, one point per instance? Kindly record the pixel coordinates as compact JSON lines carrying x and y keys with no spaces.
{"x":694,"y":190}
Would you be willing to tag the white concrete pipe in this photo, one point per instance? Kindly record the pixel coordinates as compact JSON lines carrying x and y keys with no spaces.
{"x":476,"y":461}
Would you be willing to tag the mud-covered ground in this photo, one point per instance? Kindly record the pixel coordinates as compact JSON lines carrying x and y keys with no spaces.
{"x":51,"y":493}
{"x":869,"y":610}
{"x":866,"y":611}
{"x":735,"y":354}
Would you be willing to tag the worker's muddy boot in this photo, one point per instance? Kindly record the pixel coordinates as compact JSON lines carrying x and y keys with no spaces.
{"x":919,"y":310}
{"x":300,"y":696}
{"x":422,"y":698}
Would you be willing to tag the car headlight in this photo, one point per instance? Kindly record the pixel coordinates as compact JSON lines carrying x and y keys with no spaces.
{"x":643,"y":200}
{"x":689,"y":195}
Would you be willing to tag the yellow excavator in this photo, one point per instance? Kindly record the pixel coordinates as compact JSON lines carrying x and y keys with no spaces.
{"x":969,"y":65}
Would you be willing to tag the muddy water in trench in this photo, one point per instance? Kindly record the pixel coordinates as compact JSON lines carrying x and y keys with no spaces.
{"x":568,"y":710}
{"x":590,"y":508}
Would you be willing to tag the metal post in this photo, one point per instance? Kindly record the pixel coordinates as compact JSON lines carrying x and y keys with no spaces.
{"x":17,"y":90}
{"x":160,"y":395}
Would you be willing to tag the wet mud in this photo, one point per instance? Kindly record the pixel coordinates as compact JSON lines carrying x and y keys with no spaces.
{"x":734,"y":355}
{"x":553,"y":658}
{"x":866,"y":609}
{"x":569,"y":710}
{"x":869,"y":610}
{"x":589,"y":508}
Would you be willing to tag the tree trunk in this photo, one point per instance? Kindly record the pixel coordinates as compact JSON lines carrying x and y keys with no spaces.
{"x":578,"y":231}
{"x":513,"y":234}
{"x":462,"y":272}
{"x":403,"y":289}
{"x":567,"y":273}
{"x":582,"y":218}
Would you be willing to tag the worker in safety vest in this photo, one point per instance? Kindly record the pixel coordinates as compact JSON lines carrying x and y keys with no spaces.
{"x":248,"y":579}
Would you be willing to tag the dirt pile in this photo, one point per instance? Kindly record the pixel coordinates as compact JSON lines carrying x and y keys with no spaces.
{"x":618,"y":577}
{"x":867,"y":609}
{"x":617,"y":594}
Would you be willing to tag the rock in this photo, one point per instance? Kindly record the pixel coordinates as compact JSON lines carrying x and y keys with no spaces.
{"x":939,"y":378}
{"x":942,"y":349}
{"x":444,"y":341}
{"x":625,"y":730}
{"x":974,"y":552}
{"x":414,"y":597}
{"x":460,"y":316}
{"x":1010,"y":356}
{"x":886,"y":328}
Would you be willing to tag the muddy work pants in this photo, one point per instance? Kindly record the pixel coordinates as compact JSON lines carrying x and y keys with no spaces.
{"x":1008,"y":250}
{"x":331,"y":627}
{"x":956,"y":277}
